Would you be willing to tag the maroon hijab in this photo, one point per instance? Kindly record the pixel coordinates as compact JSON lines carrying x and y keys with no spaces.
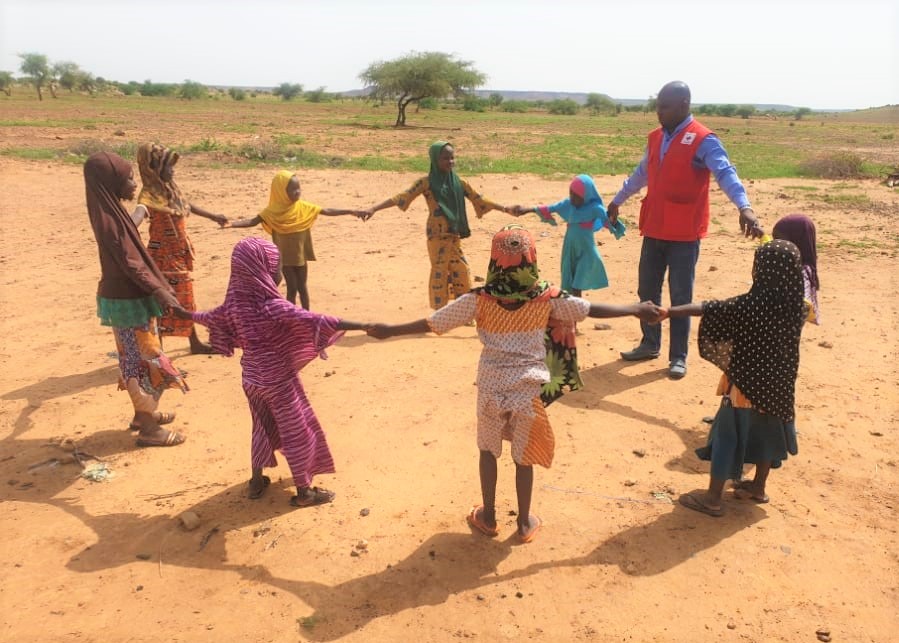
{"x":127,"y":271}
{"x":800,"y":230}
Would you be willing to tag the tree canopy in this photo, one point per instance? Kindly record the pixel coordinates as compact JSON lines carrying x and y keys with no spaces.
{"x":36,"y":67}
{"x":416,"y":76}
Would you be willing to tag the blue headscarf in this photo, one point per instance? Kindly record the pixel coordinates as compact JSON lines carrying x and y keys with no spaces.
{"x":592,"y":210}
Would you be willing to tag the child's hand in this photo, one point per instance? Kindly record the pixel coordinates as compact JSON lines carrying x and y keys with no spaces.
{"x":224,"y":224}
{"x":220,"y":219}
{"x":180,"y":312}
{"x":650,"y":313}
{"x":365,"y":215}
{"x":378,"y":331}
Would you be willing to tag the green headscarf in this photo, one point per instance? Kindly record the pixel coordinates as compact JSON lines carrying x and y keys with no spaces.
{"x":447,"y":190}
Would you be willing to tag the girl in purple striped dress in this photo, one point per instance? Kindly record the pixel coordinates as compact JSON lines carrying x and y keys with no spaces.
{"x":278,"y":339}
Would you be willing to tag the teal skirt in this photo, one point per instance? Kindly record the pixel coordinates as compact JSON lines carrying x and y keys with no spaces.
{"x":745,"y":436}
{"x":127,"y":313}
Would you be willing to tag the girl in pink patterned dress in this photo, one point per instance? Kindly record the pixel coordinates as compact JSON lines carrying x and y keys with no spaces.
{"x":278,"y":339}
{"x":527,"y":329}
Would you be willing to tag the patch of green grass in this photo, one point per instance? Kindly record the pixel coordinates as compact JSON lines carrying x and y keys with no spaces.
{"x":804,"y":188}
{"x":290,"y":139}
{"x":31,"y":153}
{"x":206,"y":145}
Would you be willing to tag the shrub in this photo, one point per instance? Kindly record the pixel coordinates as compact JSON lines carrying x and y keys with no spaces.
{"x":428,"y":103}
{"x":237,"y":93}
{"x":563,"y":106}
{"x":515,"y":106}
{"x":837,"y":165}
{"x":474,"y":104}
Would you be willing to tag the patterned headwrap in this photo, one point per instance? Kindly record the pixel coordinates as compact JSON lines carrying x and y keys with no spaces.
{"x":754,"y":338}
{"x":447,"y":190}
{"x":156,"y":192}
{"x":283,"y":215}
{"x":512,"y":274}
{"x":513,"y":279}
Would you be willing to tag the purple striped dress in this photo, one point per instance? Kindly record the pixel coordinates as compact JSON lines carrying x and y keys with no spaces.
{"x":277,"y":339}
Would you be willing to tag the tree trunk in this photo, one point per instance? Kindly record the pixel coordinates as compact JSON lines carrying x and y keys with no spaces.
{"x":40,"y":94}
{"x":401,"y":112}
{"x":53,"y":90}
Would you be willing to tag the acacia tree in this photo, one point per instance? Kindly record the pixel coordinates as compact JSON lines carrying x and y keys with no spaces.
{"x":6,"y":82}
{"x":36,"y":67}
{"x":288,"y":91}
{"x":417,"y":76}
{"x":68,"y":74}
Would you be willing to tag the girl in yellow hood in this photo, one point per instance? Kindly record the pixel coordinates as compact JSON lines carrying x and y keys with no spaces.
{"x":289,"y":220}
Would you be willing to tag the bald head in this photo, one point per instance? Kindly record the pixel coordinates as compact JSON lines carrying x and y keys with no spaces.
{"x":673,"y":104}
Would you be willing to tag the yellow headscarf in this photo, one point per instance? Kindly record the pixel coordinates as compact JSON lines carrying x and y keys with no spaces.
{"x":156,"y":193}
{"x":283,"y":215}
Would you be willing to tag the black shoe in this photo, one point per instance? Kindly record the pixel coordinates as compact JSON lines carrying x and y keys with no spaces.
{"x":639,"y":354}
{"x":677,"y":369}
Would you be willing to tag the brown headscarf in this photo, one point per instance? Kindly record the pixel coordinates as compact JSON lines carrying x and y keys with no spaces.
{"x":128,"y":272}
{"x":156,"y":192}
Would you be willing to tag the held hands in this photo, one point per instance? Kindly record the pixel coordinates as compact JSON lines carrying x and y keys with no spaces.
{"x":167,"y":300}
{"x":379,"y":331}
{"x":364,"y":215}
{"x":221,"y":219}
{"x":612,"y":211}
{"x":650,"y":313}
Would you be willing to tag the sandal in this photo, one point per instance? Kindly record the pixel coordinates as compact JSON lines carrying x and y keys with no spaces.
{"x":315,"y":496}
{"x":257,"y":491}
{"x":476,"y":522}
{"x":695,"y":502}
{"x":160,"y":417}
{"x":744,"y":491}
{"x":171,"y":439}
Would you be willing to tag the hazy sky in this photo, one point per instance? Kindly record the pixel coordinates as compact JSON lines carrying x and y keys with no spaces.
{"x":816,"y":53}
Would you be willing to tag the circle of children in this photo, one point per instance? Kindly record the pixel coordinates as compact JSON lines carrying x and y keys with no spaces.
{"x":526,"y":326}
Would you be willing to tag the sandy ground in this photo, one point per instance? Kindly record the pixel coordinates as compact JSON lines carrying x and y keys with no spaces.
{"x":616,"y":560}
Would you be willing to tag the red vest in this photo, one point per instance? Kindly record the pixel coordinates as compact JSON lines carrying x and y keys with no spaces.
{"x":676,"y":206}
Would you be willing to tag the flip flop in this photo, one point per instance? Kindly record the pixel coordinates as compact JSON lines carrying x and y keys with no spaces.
{"x":258,"y":493}
{"x":743,"y":491}
{"x":476,"y":523}
{"x":161,"y":418}
{"x":171,"y":439}
{"x":524,"y":540}
{"x":318,"y":497}
{"x":695,"y":502}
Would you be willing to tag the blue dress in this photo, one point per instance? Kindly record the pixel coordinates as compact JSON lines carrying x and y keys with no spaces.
{"x":582,"y":266}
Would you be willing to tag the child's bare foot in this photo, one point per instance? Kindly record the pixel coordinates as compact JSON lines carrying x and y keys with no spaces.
{"x":200,"y":348}
{"x":256,"y":486}
{"x":528,"y":530}
{"x":750,"y":490}
{"x":311,"y":496}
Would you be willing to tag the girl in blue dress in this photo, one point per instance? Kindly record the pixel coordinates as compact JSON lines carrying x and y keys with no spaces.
{"x":585,"y":214}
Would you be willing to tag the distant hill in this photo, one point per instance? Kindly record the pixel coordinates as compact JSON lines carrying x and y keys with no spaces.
{"x":578,"y":97}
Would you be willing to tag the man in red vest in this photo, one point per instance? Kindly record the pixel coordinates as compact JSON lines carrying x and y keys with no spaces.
{"x":674,"y":215}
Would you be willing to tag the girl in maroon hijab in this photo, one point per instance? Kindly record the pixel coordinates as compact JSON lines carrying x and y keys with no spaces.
{"x":131,"y":295}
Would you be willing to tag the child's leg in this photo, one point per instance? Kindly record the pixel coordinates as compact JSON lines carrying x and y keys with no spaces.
{"x":302,"y":272}
{"x":708,"y":502}
{"x":290,"y":280}
{"x":488,"y":472}
{"x":577,"y":292}
{"x":755,"y":489}
{"x":197,"y":346}
{"x":524,"y":486}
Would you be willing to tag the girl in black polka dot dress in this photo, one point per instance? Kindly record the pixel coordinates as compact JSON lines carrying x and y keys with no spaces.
{"x":754,"y":339}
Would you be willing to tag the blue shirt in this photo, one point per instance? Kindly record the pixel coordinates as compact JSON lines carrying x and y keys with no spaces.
{"x":710,"y":155}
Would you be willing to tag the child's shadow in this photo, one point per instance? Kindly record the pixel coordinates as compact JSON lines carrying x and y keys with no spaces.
{"x":608,"y":379}
{"x":443,"y":565}
{"x":54,"y":387}
{"x":671,"y":539}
